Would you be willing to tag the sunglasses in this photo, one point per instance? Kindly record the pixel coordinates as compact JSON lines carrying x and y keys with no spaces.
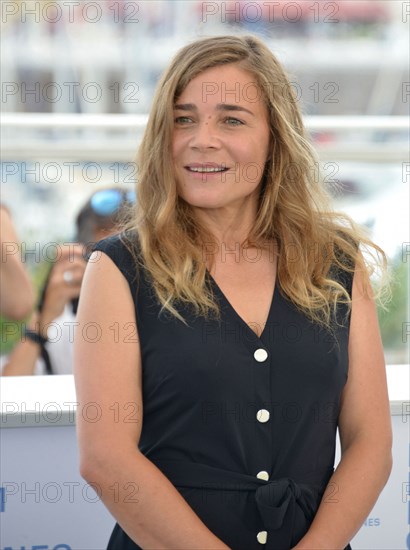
{"x":107,"y":201}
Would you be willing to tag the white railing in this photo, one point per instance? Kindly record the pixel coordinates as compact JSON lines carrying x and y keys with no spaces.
{"x":113,"y":137}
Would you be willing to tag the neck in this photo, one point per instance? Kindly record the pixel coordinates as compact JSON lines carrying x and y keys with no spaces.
{"x":228,"y":226}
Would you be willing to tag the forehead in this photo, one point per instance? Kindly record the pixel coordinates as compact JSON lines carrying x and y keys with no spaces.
{"x":224,"y":84}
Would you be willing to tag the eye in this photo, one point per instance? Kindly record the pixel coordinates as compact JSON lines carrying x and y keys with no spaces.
{"x":183,"y":120}
{"x":231,"y":121}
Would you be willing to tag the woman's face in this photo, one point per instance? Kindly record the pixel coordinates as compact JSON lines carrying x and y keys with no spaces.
{"x":220,"y":138}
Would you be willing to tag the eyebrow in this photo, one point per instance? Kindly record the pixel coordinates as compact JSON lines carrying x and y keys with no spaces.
{"x":219,"y":107}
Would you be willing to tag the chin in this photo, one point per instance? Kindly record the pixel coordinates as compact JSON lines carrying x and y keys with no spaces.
{"x":202,"y":202}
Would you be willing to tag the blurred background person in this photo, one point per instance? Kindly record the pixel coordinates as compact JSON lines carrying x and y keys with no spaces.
{"x":16,"y":291}
{"x":46,"y":344}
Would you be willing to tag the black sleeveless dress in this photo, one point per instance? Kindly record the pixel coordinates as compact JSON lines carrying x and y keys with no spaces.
{"x":243,"y":426}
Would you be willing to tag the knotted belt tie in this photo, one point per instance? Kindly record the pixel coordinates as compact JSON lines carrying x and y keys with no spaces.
{"x":287,"y":508}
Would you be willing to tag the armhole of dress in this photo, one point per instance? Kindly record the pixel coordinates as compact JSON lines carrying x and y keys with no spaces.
{"x":346,"y":278}
{"x":121,"y":256}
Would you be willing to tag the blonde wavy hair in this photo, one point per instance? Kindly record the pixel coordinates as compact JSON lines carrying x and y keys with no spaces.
{"x":294,"y":207}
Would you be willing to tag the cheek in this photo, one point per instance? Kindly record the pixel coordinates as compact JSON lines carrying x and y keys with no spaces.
{"x":263,"y":149}
{"x":174,"y":148}
{"x":178,"y":147}
{"x":254,"y":152}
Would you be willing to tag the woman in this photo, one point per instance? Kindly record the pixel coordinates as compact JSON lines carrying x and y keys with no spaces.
{"x":16,"y":292}
{"x":246,"y":329}
{"x":46,"y":346}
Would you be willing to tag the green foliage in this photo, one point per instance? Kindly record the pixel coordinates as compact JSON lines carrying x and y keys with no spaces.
{"x":394,"y":321}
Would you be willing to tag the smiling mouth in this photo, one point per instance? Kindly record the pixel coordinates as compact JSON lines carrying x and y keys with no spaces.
{"x":206,"y":169}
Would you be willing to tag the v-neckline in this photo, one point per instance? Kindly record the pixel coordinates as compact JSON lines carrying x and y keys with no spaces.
{"x":236,"y":314}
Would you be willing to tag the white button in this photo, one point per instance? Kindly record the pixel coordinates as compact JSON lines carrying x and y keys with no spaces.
{"x":262,"y":415}
{"x":262,"y":537}
{"x":263,"y":475}
{"x":260,"y":355}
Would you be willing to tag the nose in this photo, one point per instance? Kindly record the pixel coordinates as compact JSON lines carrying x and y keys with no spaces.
{"x":205,"y":136}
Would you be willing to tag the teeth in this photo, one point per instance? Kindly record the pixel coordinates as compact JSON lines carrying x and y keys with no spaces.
{"x":207,"y":169}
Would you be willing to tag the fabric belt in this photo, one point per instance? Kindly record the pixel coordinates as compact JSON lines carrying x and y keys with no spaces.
{"x":287,"y":508}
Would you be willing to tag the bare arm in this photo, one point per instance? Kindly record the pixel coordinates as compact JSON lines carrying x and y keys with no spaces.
{"x":16,"y":291}
{"x":22,"y":360}
{"x":143,"y":501}
{"x":365,"y":433}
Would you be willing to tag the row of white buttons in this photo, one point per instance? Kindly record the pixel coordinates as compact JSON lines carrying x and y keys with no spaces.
{"x":262,"y":536}
{"x":261,"y":355}
{"x":262,"y":415}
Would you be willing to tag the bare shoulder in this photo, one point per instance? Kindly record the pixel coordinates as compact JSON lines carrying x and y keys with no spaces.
{"x":107,"y":362}
{"x":365,"y":404}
